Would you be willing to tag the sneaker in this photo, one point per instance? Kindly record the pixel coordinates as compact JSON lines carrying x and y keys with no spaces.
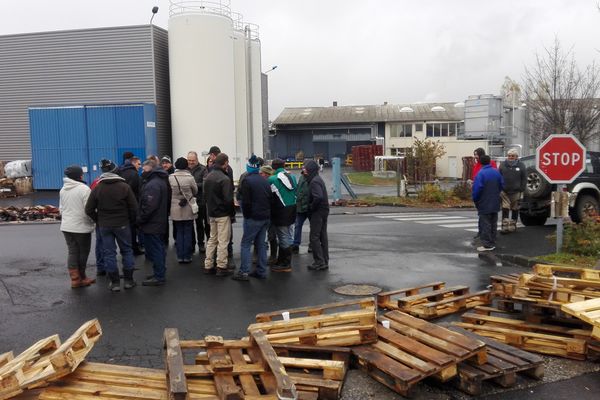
{"x":129,"y":284}
{"x":318,"y":267}
{"x":210,"y":271}
{"x":281,"y":268}
{"x":486,"y":248}
{"x":223,"y":272}
{"x":114,"y":286}
{"x":153,"y":282}
{"x":240,"y":276}
{"x":186,"y":261}
{"x":231,"y":264}
{"x":180,"y":261}
{"x":256,"y":275}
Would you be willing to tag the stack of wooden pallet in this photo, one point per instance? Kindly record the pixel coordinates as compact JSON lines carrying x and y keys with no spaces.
{"x":588,"y":311}
{"x":432,"y":300}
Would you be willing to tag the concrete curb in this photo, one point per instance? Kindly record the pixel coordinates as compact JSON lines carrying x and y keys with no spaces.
{"x":516,"y":259}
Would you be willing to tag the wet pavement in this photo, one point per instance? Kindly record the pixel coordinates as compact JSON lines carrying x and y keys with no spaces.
{"x":36,"y":301}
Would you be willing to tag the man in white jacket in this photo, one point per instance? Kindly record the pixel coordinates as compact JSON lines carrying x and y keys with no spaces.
{"x":75,"y":225}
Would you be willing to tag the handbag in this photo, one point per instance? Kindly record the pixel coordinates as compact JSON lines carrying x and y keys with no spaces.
{"x":185,"y":201}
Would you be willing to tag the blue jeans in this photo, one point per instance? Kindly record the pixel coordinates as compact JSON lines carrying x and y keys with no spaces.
{"x":285,"y":235}
{"x":110,"y":238}
{"x":99,"y":251}
{"x":156,"y":252}
{"x":489,"y":226}
{"x":255,"y":232}
{"x":300,"y":218}
{"x":184,"y":241}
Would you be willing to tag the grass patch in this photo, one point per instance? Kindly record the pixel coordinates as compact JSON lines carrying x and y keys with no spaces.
{"x":367,"y":179}
{"x":569,"y":259}
{"x":450,"y":202}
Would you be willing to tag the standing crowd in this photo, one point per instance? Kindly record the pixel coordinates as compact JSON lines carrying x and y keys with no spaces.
{"x":129,"y":207}
{"x":496,"y":189}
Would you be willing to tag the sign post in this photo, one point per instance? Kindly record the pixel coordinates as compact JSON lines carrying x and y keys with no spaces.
{"x":560,"y":159}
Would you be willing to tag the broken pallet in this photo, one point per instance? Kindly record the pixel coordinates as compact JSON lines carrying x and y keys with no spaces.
{"x":565,"y":271}
{"x":366,"y":303}
{"x":588,"y":311}
{"x":412,"y":350}
{"x":503,"y":363}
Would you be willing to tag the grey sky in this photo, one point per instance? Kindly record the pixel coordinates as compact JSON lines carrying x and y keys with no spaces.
{"x":365,"y":52}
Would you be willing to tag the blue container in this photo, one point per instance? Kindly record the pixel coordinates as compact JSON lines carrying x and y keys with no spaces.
{"x":84,"y":135}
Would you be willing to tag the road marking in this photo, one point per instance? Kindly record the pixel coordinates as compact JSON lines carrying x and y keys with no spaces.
{"x":416,"y":219}
{"x":465,"y":225}
{"x":407,"y":215}
{"x":446,"y":220}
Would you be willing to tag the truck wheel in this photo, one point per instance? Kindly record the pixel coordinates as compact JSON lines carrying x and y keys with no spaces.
{"x":533,"y":220}
{"x":537,"y":186}
{"x":586,"y":206}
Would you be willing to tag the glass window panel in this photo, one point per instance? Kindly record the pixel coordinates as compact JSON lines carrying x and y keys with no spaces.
{"x":444,"y":129}
{"x":452,"y":129}
{"x":407,"y":128}
{"x":436,"y":129}
{"x":429,"y":129}
{"x":418,"y":127}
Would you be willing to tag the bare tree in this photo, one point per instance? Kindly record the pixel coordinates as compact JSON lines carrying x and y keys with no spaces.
{"x":511,"y":91}
{"x":561,"y":97}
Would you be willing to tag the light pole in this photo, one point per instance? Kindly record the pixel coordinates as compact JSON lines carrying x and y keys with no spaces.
{"x":272,"y":68}
{"x":154,"y":11}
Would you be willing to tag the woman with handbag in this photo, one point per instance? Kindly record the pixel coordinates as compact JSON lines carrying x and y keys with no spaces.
{"x":183,"y":209}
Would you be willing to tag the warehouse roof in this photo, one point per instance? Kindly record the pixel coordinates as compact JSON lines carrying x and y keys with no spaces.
{"x":373,"y":113}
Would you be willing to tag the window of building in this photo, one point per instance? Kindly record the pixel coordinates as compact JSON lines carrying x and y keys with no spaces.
{"x":444,"y":129}
{"x":400,"y":130}
{"x":400,"y":151}
{"x":418,"y":127}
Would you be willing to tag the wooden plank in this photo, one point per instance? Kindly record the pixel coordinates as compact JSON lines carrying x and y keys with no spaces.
{"x":384,"y":299}
{"x":414,"y":347}
{"x":226,"y":387}
{"x":177,"y":384}
{"x":387,"y":365}
{"x":450,"y":304}
{"x":435,"y":295}
{"x":285,"y":386}
{"x":363,"y":303}
{"x":247,"y":381}
{"x":335,"y":370}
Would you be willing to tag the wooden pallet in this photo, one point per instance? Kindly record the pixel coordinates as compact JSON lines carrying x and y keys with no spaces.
{"x":46,"y":360}
{"x":389,"y":300}
{"x":539,"y":338}
{"x":345,"y":328}
{"x":564,"y":271}
{"x":504,"y":285}
{"x":588,"y":311}
{"x":503,"y":364}
{"x":555,"y":290}
{"x":534,"y":312}
{"x":412,"y":350}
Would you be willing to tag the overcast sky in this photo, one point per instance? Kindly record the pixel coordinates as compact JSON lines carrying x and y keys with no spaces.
{"x":365,"y":52}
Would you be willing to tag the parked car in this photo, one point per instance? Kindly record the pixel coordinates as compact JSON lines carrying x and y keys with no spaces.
{"x":584,"y":193}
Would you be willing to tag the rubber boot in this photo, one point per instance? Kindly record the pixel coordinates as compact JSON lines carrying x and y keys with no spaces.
{"x":84,"y":279}
{"x":128,"y":277}
{"x":505,"y":225}
{"x":512,"y":225}
{"x":75,"y":279}
{"x":273,"y":257}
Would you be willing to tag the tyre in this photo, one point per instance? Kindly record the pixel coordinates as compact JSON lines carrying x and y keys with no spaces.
{"x":537,"y":186}
{"x":586,"y":206}
{"x":533,"y":220}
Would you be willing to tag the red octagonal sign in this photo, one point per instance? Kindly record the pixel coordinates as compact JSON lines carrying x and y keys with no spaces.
{"x":561,"y":158}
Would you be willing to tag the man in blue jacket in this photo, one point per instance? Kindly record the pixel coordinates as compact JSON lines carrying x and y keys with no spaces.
{"x":486,"y":196}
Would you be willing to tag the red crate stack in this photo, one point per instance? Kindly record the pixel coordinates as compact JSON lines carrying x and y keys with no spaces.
{"x":363,"y":157}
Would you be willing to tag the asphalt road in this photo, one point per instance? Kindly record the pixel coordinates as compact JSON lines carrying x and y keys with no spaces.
{"x":384,"y":249}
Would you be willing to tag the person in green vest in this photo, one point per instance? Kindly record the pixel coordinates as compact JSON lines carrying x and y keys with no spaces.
{"x":283,"y":213}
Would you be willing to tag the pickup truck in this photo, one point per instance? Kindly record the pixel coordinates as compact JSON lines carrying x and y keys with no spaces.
{"x":584,"y":193}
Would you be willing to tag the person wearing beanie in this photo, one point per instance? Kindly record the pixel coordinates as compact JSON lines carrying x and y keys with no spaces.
{"x":283,"y":213}
{"x":183,"y":209}
{"x":112,"y":205}
{"x":167,"y":164}
{"x":318,"y":211}
{"x":486,"y":196}
{"x":218,"y":196}
{"x":477,"y":154}
{"x":255,"y":197}
{"x":153,"y":219}
{"x":75,"y":225}
{"x":514,"y":174}
{"x":127,"y":156}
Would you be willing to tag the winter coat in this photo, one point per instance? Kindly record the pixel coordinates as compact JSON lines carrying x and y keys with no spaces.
{"x":188,"y":192}
{"x":302,"y":194}
{"x":73,"y":196}
{"x":486,"y":190}
{"x":477,"y":167}
{"x":283,"y":209}
{"x":111,"y":203}
{"x":514,"y":175}
{"x":256,"y":197}
{"x":317,"y":192}
{"x":153,"y":216}
{"x":199,"y":173}
{"x":128,"y":172}
{"x":218,"y":194}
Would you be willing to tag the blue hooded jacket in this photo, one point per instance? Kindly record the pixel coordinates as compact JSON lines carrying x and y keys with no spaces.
{"x":486,"y":190}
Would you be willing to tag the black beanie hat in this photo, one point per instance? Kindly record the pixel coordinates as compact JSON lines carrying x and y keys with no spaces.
{"x":127,"y":155}
{"x":74,"y":172}
{"x":107,"y":165}
{"x":214,"y":150}
{"x":181,"y":163}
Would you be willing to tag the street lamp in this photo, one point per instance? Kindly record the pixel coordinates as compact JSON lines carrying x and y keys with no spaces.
{"x":272,"y":68}
{"x":154,"y":11}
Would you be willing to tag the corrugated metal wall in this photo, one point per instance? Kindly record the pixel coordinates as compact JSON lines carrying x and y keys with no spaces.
{"x":93,"y":66}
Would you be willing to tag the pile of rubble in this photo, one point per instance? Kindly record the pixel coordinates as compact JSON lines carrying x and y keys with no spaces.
{"x":36,"y":213}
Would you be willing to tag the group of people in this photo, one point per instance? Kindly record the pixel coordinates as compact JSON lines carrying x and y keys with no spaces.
{"x":496,"y":189}
{"x":131,"y":211}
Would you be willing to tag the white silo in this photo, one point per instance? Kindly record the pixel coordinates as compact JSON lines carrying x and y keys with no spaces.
{"x":255,"y":96}
{"x":201,"y":70}
{"x":241,"y":91}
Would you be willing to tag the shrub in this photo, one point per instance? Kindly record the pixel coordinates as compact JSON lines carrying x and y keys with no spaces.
{"x":431,"y":194}
{"x":583,"y":238}
{"x":462,"y":190}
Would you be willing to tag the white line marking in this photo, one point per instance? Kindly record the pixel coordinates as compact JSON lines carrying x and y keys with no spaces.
{"x":443,"y":220}
{"x":437,"y":218}
{"x":408,"y":215}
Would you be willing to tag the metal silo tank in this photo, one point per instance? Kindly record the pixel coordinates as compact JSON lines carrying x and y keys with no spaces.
{"x":201,"y":68}
{"x":241,"y":92}
{"x":255,"y":98}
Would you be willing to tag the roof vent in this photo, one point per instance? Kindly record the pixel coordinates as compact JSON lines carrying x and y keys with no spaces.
{"x":438,"y":109}
{"x":459,"y":105}
{"x":335,"y":103}
{"x":406,"y":109}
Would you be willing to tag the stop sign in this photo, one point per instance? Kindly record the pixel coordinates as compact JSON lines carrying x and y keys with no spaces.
{"x":561,"y":158}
